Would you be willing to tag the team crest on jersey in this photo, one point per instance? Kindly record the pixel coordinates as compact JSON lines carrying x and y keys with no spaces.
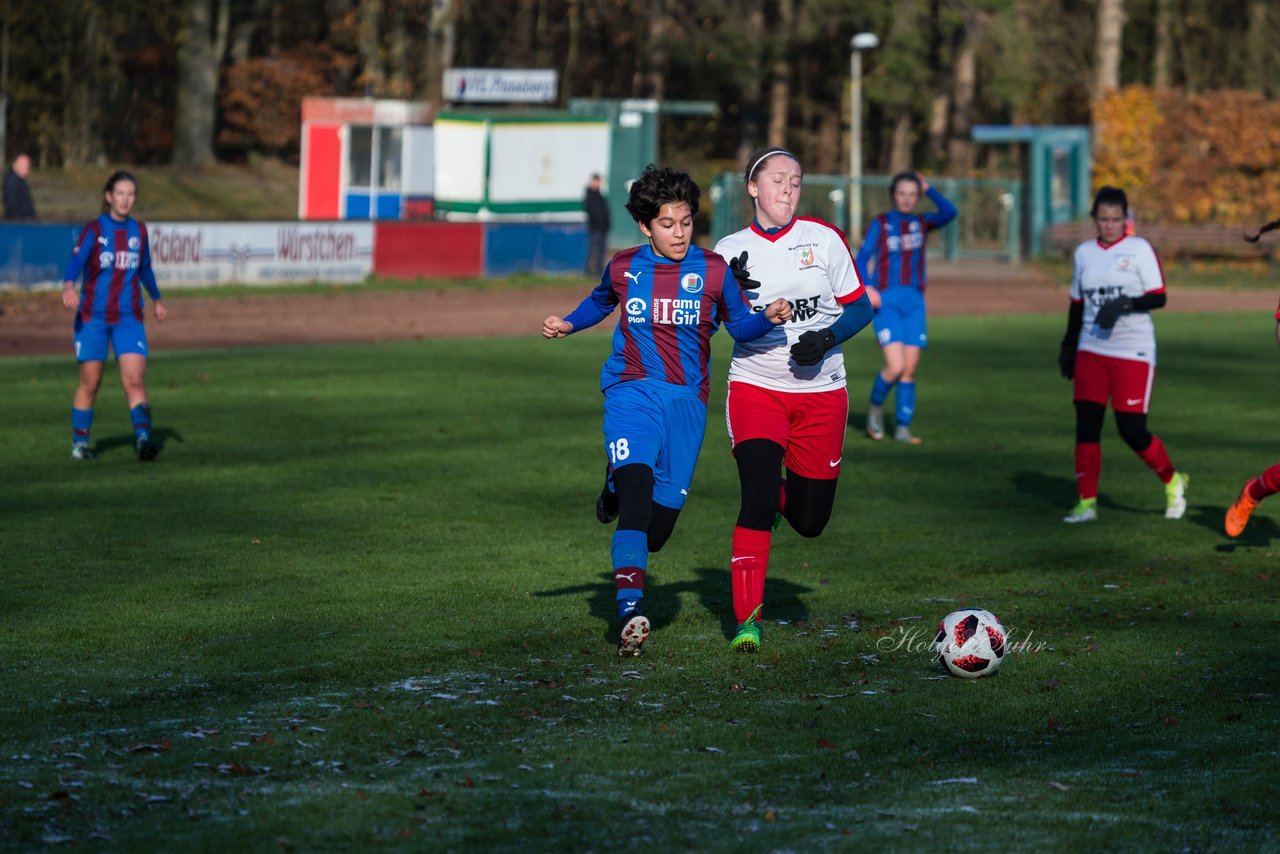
{"x":635,"y":310}
{"x":106,"y":260}
{"x":134,"y":243}
{"x":806,"y":257}
{"x":691,"y":283}
{"x":1124,"y":262}
{"x":914,"y":226}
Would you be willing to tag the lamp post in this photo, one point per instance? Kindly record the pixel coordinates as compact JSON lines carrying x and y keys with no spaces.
{"x":857,"y":44}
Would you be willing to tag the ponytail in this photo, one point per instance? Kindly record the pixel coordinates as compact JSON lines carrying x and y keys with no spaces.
{"x":1274,"y":224}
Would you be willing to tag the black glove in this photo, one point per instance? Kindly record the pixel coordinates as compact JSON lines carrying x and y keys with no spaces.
{"x":812,"y":346}
{"x":739,"y":267}
{"x":1111,"y":310}
{"x":1067,"y":360}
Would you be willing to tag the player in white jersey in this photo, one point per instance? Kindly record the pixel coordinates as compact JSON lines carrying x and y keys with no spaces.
{"x":787,"y":402}
{"x":1110,"y":352}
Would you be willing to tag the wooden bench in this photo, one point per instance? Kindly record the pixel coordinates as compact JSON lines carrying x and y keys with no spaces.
{"x":1172,"y":241}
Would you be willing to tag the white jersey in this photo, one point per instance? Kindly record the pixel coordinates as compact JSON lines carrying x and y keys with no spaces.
{"x":1129,"y":268}
{"x":809,"y":265}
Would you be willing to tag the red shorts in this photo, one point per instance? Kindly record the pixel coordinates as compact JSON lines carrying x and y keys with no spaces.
{"x":808,"y":425}
{"x":1127,"y":382}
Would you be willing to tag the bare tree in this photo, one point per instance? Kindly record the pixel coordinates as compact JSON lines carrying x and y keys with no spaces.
{"x":201,"y":46}
{"x":1257,"y":47}
{"x":1162,"y":76}
{"x":441,"y":39}
{"x":370,"y":45}
{"x":1110,"y":28}
{"x":780,"y":84}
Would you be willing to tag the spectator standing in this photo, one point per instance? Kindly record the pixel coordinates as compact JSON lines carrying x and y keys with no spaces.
{"x":597,"y":226}
{"x":17,"y":194}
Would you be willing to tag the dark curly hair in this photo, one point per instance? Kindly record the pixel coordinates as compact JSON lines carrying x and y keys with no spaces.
{"x":657,"y":186}
{"x":1110,"y":196}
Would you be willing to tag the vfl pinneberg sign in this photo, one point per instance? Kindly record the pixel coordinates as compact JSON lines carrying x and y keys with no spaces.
{"x":260,"y":253}
{"x":500,"y":85}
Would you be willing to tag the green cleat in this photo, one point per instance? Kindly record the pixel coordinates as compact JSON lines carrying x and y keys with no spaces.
{"x":1084,"y":511}
{"x":748,"y":637}
{"x":1175,"y":495}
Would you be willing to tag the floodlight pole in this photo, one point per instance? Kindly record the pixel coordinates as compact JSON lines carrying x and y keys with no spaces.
{"x":859,"y":43}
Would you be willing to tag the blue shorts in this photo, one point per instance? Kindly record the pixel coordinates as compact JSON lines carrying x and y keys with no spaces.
{"x":128,"y":336}
{"x":900,"y":319}
{"x":657,"y":425}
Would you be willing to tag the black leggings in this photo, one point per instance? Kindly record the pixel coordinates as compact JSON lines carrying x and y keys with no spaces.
{"x":1089,"y":418}
{"x":809,"y":501}
{"x":637,"y":511}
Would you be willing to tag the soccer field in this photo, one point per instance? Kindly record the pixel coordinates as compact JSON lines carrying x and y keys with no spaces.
{"x":362,"y":599}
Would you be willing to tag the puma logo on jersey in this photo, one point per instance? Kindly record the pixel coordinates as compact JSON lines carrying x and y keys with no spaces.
{"x":635,"y":277}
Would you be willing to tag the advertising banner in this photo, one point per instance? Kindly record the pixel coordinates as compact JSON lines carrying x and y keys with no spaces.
{"x":260,"y":253}
{"x":500,"y":85}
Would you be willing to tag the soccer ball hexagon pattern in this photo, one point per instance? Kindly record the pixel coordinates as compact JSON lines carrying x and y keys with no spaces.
{"x":971,"y":642}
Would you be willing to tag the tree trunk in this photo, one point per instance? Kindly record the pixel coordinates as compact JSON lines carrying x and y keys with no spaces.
{"x":938,"y":109}
{"x":1256,"y":48}
{"x":654,"y":84}
{"x":749,"y":125}
{"x":900,"y":142}
{"x":398,"y":77}
{"x":1110,"y":27}
{"x":197,"y":87}
{"x":370,"y":45}
{"x":780,"y":87}
{"x":1161,"y":76}
{"x":964,"y":84}
{"x":440,"y":48}
{"x":572,"y":51}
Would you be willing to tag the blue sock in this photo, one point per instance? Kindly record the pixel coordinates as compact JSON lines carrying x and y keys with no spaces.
{"x":880,"y":390}
{"x":630,"y":554}
{"x":81,"y":424}
{"x":906,"y":401}
{"x":140,"y":415}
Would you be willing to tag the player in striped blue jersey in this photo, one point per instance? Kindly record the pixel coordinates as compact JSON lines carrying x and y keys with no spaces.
{"x":115,"y":258}
{"x":655,"y":381}
{"x":892,"y":260}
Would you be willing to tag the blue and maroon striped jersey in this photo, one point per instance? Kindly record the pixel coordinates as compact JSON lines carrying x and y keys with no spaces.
{"x":670,"y":311}
{"x":114,"y":256}
{"x":895,"y":241}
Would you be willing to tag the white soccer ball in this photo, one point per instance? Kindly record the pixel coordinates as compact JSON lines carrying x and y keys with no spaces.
{"x":970,"y":642}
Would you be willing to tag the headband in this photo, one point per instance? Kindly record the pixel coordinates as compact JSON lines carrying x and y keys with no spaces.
{"x":763,"y":157}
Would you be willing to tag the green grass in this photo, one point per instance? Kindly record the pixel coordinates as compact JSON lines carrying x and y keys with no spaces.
{"x":361,"y":598}
{"x":262,"y":189}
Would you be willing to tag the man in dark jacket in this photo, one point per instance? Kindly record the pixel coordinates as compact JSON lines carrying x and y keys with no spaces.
{"x":17,"y":195}
{"x":597,"y":226}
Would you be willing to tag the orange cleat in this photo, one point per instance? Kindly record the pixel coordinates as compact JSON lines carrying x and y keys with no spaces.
{"x":1238,"y":514}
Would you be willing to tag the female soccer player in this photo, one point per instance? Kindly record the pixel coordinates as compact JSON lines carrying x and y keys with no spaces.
{"x":1110,"y":352}
{"x":892,"y":257}
{"x":114,"y":255}
{"x":787,"y":402}
{"x":674,"y":297}
{"x":1267,"y":483}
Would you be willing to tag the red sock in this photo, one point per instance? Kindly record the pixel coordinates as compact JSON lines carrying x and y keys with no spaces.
{"x":1267,"y":483}
{"x":1088,"y":467}
{"x":1158,"y":460}
{"x":747,"y":569}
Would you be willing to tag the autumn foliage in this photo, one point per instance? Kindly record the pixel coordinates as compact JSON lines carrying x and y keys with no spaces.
{"x":261,"y":99}
{"x":1212,"y":157}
